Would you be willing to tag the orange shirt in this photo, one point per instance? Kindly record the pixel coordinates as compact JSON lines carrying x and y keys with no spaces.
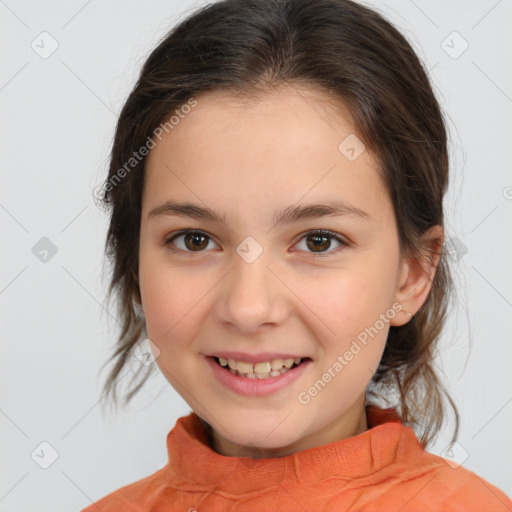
{"x":384,"y":469}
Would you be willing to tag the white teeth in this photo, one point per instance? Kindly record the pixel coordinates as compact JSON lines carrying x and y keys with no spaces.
{"x":258,"y":368}
{"x":247,"y":368}
{"x":277,"y":364}
{"x":265,"y":367}
{"x":263,"y":370}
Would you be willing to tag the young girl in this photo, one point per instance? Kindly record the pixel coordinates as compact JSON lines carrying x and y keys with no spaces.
{"x":276,"y":191}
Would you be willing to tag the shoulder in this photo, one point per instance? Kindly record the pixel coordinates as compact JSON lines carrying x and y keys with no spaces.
{"x":450,"y":488}
{"x":465,"y":490}
{"x":138,"y":495}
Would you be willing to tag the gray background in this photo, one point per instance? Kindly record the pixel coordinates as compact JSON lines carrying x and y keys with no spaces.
{"x":58,"y":117}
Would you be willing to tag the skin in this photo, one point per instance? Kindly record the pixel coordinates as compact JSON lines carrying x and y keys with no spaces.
{"x":246,"y":159}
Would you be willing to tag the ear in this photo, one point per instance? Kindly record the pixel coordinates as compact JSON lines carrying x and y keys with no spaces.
{"x":416,"y":275}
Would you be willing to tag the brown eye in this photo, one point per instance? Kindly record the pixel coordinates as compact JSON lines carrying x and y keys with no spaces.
{"x":319,"y":242}
{"x":195,"y":241}
{"x":189,"y":241}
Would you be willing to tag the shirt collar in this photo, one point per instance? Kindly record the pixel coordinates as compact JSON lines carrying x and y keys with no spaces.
{"x":194,"y":466}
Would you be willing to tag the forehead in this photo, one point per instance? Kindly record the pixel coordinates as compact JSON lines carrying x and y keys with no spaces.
{"x":248,"y":152}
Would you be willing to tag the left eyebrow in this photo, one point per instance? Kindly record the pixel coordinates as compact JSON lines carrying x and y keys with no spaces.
{"x":288,"y":215}
{"x":315,"y":210}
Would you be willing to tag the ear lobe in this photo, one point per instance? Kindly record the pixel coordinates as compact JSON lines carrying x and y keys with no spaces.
{"x":417,"y":274}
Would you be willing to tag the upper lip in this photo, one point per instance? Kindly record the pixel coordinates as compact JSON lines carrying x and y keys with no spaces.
{"x":254,"y":358}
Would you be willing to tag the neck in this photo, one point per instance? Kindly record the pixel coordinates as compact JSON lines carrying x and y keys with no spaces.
{"x":353,"y":422}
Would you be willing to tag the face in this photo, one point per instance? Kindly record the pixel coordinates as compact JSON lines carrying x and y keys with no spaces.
{"x":244,"y":276}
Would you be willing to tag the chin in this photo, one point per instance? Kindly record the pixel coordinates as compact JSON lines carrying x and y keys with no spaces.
{"x":275,"y":432}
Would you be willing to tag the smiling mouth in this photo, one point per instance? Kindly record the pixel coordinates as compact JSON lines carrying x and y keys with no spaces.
{"x":261,"y":371}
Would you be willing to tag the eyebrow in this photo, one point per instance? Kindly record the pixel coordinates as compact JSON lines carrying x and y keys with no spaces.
{"x":288,"y":215}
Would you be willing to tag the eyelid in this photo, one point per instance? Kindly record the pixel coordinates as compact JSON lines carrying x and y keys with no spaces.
{"x":169,"y":238}
{"x":343,"y":240}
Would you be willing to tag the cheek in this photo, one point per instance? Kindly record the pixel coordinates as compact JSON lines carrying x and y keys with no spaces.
{"x":169,"y":299}
{"x":353,"y":305}
{"x":347,"y":300}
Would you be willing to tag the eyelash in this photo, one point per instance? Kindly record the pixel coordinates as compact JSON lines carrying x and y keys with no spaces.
{"x":319,"y":232}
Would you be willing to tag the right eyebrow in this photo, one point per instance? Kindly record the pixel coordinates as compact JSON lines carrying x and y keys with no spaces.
{"x":171,"y":208}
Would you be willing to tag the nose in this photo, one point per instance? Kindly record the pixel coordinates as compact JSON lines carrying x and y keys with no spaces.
{"x":253,"y":296}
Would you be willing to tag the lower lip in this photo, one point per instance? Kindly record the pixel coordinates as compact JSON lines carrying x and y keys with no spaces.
{"x":256,"y":387}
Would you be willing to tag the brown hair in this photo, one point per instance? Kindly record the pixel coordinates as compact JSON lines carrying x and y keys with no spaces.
{"x":353,"y":53}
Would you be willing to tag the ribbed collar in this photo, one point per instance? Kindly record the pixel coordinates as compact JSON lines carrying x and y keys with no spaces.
{"x":194,"y":466}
